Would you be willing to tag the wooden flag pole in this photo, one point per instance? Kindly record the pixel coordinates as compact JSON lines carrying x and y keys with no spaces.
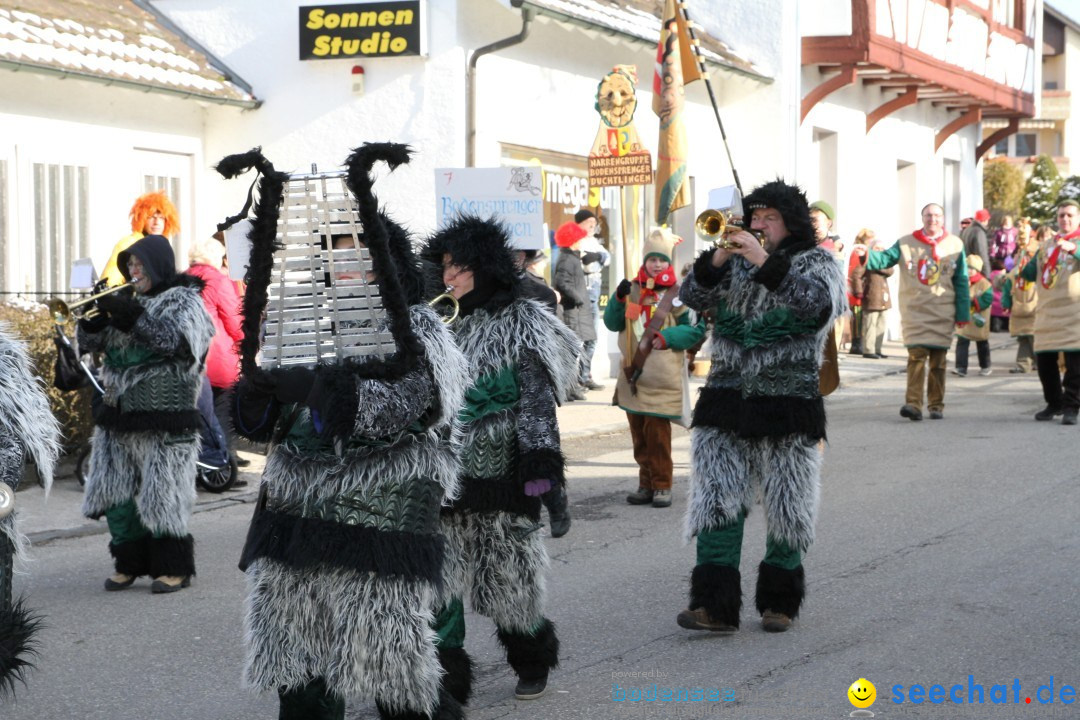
{"x":694,"y":43}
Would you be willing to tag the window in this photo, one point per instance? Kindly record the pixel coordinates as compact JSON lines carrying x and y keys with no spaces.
{"x":1002,"y":147}
{"x":60,"y":223}
{"x":1025,"y":145}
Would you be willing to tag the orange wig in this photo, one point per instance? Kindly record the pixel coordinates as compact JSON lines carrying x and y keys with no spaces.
{"x":145,"y":207}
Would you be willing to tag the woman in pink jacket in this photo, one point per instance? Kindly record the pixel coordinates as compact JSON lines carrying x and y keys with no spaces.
{"x":222,"y":302}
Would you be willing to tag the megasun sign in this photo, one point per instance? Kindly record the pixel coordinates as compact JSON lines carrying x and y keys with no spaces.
{"x":375,"y":29}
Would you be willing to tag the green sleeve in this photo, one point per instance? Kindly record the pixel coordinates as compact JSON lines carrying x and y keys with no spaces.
{"x":985,"y":300}
{"x":883,"y":259}
{"x":1030,"y":271}
{"x":962,"y":287}
{"x":684,"y":334}
{"x":1006,"y":294}
{"x":615,"y":314}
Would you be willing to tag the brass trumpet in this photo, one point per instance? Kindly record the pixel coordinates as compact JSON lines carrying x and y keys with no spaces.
{"x":447,"y":297}
{"x":714,"y":226}
{"x":62,"y":311}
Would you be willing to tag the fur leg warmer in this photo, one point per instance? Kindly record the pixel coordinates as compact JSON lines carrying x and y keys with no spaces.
{"x":448,"y":709}
{"x":717,"y":589}
{"x":458,"y":667}
{"x":531,"y":655}
{"x":17,"y":643}
{"x":780,"y":590}
{"x":174,"y":556}
{"x":132,"y":558}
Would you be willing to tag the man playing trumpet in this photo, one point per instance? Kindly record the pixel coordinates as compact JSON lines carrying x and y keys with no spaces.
{"x":760,"y":420}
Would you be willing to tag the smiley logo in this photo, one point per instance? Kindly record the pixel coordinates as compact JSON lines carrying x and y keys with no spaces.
{"x":862,"y":693}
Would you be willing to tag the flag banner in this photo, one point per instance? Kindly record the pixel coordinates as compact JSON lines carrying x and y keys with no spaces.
{"x":675,"y":66}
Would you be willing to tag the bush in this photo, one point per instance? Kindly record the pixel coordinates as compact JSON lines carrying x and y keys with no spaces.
{"x":1003,"y":187}
{"x":32,"y":324}
{"x":1041,"y":191}
{"x":1070,"y":190}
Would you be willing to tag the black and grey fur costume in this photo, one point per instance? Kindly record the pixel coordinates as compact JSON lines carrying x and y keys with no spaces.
{"x":27,"y":425}
{"x":146,"y":441}
{"x":760,"y":418}
{"x":522,"y":363}
{"x":344,"y":557}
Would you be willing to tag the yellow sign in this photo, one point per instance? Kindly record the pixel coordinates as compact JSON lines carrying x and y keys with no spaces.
{"x":380,"y":29}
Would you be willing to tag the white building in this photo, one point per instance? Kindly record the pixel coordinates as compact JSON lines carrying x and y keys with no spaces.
{"x":96,"y":108}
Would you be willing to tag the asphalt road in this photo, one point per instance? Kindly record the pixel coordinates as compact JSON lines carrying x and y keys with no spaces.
{"x":946,"y":549}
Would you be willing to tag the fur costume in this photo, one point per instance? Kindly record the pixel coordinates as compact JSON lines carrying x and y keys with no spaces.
{"x":760,"y":417}
{"x":522,"y":363}
{"x":344,"y":556}
{"x":27,"y":425}
{"x":146,"y":441}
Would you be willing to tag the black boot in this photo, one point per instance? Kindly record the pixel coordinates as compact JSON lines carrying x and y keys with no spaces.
{"x":531,"y":656}
{"x":779,"y":595}
{"x":131,"y":559}
{"x":558,"y":506}
{"x":459,"y":673}
{"x":715,"y":599}
{"x":172,"y":563}
{"x":310,"y":702}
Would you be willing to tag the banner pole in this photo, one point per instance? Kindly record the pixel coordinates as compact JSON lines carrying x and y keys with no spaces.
{"x":708,"y":85}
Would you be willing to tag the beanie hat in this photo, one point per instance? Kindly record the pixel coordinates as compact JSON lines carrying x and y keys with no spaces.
{"x":569,"y":233}
{"x":583,"y":214}
{"x":789,"y":201}
{"x":975,"y":262}
{"x":982,"y":215}
{"x":825,"y":208}
{"x":661,"y":243}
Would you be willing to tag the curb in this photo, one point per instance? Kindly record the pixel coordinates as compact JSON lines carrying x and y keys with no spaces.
{"x":43,"y":537}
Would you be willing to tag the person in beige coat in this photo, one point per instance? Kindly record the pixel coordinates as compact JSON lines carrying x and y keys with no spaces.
{"x":934,"y":297}
{"x":656,"y":397}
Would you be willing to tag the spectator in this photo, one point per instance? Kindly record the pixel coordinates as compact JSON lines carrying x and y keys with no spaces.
{"x":872,"y":289}
{"x":594,"y":258}
{"x":999,"y":315}
{"x":975,"y":237}
{"x":1005,"y":237}
{"x":152,"y":214}
{"x":571,"y":286}
{"x":978,"y":330}
{"x":222,"y":303}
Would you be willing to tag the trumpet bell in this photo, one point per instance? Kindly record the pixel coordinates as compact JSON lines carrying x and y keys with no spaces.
{"x":710,"y":224}
{"x":62,"y":311}
{"x":446,"y":298}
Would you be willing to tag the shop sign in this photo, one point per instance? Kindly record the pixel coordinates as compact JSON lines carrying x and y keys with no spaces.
{"x":358,"y":30}
{"x":617,"y":156}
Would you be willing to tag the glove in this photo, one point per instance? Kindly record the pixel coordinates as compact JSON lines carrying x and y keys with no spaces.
{"x":591,"y":257}
{"x":536,"y":488}
{"x":123,"y":310}
{"x":94,"y":325}
{"x":293,"y":385}
{"x":623,"y":290}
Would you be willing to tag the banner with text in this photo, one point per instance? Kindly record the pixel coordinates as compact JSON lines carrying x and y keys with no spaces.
{"x":512,"y":195}
{"x":359,"y":30}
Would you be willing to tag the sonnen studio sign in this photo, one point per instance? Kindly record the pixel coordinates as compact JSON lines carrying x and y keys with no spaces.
{"x":378,"y":29}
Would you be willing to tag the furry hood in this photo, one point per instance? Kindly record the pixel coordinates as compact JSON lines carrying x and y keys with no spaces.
{"x":791,"y":202}
{"x":482,"y":246}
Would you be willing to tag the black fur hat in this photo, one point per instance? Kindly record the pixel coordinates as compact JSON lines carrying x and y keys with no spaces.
{"x":482,"y":246}
{"x":789,"y":200}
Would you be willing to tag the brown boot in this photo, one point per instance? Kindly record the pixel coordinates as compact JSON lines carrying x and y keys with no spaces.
{"x":772,"y":621}
{"x":169,"y":584}
{"x":698,"y":619}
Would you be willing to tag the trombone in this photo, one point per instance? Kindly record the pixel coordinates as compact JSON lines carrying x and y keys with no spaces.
{"x":62,"y":311}
{"x":714,"y":226}
{"x":446,"y":297}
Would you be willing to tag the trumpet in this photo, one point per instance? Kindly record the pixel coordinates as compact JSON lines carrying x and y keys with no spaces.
{"x":714,"y":226}
{"x":62,"y":311}
{"x":446,"y":297}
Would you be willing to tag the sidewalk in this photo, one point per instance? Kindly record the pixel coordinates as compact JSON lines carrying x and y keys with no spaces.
{"x":60,"y":517}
